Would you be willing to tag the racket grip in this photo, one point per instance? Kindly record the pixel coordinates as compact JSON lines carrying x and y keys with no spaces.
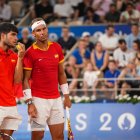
{"x":67,"y":112}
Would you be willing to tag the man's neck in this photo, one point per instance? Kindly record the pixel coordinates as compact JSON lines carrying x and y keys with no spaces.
{"x":42,"y":45}
{"x":4,"y":47}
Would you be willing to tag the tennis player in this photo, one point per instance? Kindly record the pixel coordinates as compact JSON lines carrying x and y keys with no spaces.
{"x":43,"y":64}
{"x":11,"y":71}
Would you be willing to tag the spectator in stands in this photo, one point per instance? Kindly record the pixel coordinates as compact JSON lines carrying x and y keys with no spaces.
{"x":109,"y":83}
{"x":90,"y":80}
{"x":86,"y":37}
{"x":26,"y":39}
{"x":44,"y":10}
{"x":101,"y":7}
{"x":122,"y":55}
{"x":5,"y":11}
{"x":90,"y":17}
{"x":66,"y":40}
{"x":113,"y":15}
{"x":81,"y":9}
{"x":135,"y":46}
{"x":112,"y":72}
{"x":120,"y":5}
{"x":137,"y":5}
{"x":133,"y":81}
{"x":81,"y":55}
{"x":130,"y":15}
{"x":78,"y":60}
{"x":99,"y":58}
{"x":73,"y":3}
{"x":71,"y":74}
{"x":109,"y":40}
{"x":63,"y":11}
{"x":133,"y":35}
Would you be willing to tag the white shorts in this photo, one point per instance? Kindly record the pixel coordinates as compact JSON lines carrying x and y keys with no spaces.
{"x":49,"y":111}
{"x":9,"y":118}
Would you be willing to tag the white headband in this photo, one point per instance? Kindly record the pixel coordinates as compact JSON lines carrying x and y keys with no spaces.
{"x":38,"y":23}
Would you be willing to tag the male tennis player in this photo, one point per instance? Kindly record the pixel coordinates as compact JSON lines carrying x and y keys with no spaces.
{"x":43,"y":64}
{"x":11,"y":71}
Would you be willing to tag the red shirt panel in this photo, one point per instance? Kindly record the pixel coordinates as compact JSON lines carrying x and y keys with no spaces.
{"x":8,"y":62}
{"x":44,"y":66}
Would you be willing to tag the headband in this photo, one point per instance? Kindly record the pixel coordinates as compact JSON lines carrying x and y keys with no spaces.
{"x":38,"y":23}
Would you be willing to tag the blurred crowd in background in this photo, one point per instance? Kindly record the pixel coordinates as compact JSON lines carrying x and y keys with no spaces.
{"x":77,"y":12}
{"x":109,"y":65}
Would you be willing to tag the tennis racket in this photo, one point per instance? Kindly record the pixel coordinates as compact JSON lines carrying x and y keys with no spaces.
{"x":70,"y":134}
{"x":4,"y":136}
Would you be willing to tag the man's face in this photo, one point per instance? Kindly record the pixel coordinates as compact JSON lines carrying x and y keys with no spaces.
{"x":112,"y":8}
{"x":82,"y":44}
{"x":134,"y":29}
{"x":131,"y":65}
{"x":41,"y":33}
{"x":122,"y":46}
{"x":65,"y":32}
{"x":112,"y":66}
{"x":99,"y":47}
{"x":25,"y":34}
{"x":10,"y":39}
{"x":129,"y":9}
{"x":110,"y":31}
{"x":86,"y":38}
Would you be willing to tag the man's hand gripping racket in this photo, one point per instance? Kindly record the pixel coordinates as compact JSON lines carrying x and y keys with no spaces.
{"x":70,"y":134}
{"x":4,"y":136}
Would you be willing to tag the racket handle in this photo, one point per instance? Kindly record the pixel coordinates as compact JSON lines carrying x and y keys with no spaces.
{"x":67,"y":112}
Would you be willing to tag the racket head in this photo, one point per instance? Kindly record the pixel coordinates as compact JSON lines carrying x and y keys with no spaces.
{"x":4,"y":136}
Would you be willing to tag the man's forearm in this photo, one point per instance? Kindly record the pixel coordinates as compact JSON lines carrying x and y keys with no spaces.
{"x":18,"y":76}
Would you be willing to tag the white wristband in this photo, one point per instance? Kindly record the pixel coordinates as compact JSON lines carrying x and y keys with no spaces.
{"x":64,"y":88}
{"x":27,"y":94}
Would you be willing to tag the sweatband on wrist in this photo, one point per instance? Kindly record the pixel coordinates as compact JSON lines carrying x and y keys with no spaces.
{"x":64,"y":88}
{"x":38,"y":23}
{"x":27,"y":94}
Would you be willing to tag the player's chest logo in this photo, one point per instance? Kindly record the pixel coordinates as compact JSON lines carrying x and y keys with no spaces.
{"x":56,"y":56}
{"x":13,"y":60}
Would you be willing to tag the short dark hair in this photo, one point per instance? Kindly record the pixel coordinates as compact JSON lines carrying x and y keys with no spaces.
{"x":121,"y":41}
{"x":109,"y":26}
{"x":112,"y":5}
{"x":112,"y":61}
{"x":135,"y":24}
{"x":129,"y":4}
{"x":35,"y":20}
{"x":65,"y":27}
{"x":90,"y":9}
{"x":137,"y":41}
{"x":6,"y":27}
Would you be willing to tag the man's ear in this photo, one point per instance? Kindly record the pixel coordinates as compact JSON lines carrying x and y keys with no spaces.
{"x":33,"y":34}
{"x":2,"y":36}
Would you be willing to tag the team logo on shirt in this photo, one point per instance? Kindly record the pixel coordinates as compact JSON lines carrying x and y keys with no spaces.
{"x":56,"y":55}
{"x":13,"y":60}
{"x":39,"y":59}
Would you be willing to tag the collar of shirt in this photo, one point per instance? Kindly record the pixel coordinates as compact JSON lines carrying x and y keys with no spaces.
{"x":2,"y":52}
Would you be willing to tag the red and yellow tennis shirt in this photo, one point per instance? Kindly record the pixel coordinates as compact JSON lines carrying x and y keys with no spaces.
{"x":44,"y":67}
{"x":8,"y":62}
